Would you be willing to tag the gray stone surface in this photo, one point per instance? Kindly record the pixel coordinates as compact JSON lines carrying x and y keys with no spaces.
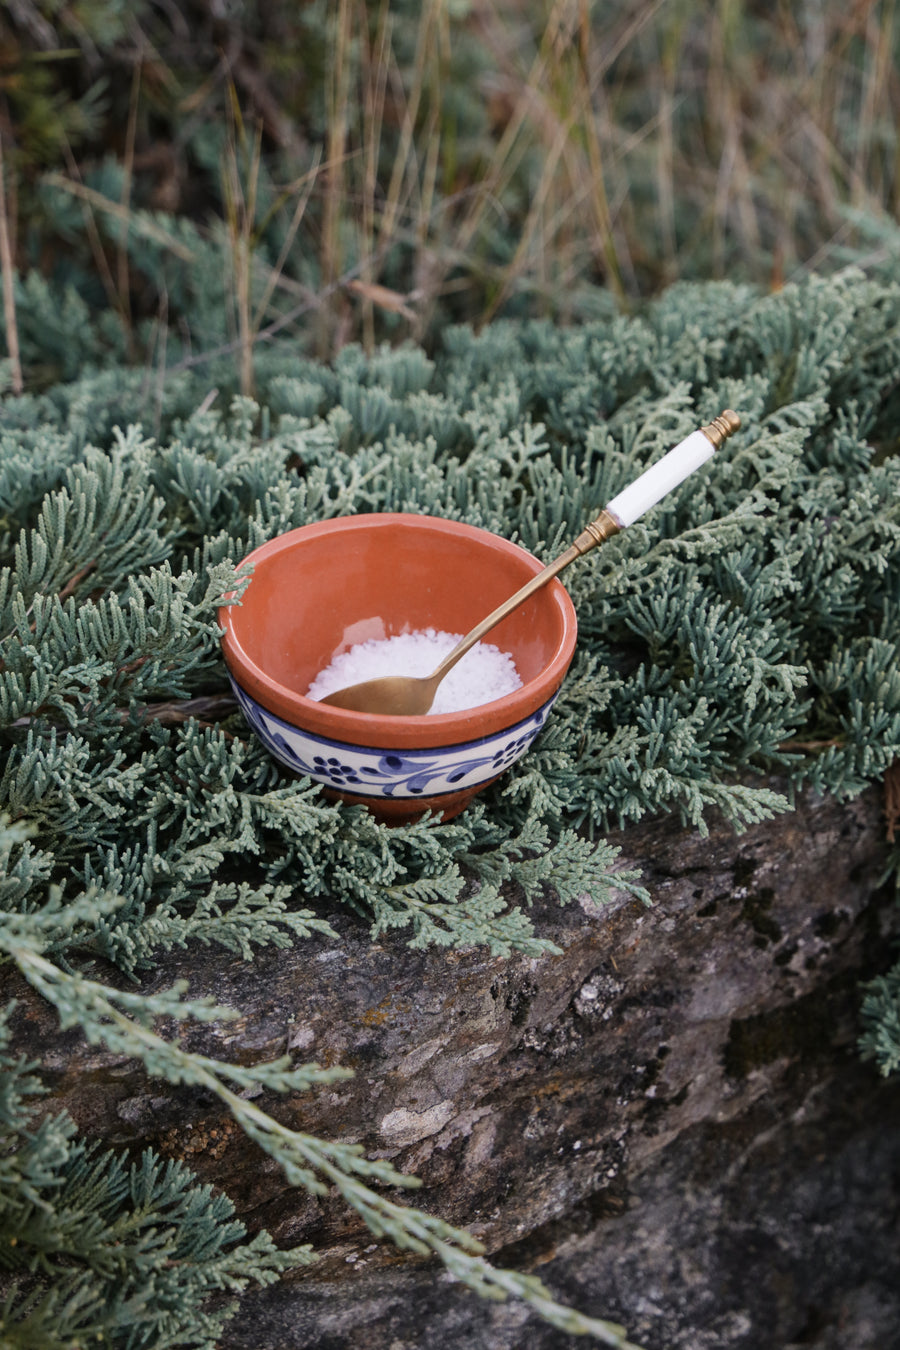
{"x":668,"y":1121}
{"x":777,"y":1232}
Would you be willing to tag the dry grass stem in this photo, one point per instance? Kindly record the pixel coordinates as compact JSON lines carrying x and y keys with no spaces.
{"x":335,"y":199}
{"x":8,"y":270}
{"x":123,"y":271}
{"x":149,"y":229}
{"x":466,"y":160}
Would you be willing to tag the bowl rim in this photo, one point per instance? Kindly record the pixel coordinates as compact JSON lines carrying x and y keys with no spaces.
{"x":395,"y":731}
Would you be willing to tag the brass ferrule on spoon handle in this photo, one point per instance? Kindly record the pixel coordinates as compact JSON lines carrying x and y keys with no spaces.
{"x":597,"y":532}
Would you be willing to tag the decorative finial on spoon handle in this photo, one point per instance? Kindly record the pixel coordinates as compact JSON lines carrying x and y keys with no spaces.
{"x":721,"y":427}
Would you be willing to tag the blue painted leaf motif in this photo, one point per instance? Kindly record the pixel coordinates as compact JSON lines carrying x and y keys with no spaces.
{"x":285,"y":751}
{"x":434,"y":775}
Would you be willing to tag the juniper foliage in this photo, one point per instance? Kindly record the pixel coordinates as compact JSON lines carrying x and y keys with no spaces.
{"x":94,"y":1249}
{"x":747,"y":626}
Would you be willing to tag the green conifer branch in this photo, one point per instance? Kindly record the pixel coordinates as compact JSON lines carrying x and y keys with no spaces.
{"x":880,"y":1013}
{"x":97,"y":1250}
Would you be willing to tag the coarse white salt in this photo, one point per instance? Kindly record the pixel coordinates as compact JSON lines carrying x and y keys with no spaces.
{"x":483,"y":674}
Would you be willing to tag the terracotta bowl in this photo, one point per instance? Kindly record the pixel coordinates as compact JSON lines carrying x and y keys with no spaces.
{"x":319,"y":590}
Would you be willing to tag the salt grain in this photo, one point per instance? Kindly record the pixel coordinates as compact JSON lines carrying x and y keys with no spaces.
{"x":483,"y":674}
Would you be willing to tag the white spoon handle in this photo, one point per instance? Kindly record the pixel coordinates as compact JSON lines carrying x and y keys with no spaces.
{"x":666,"y":474}
{"x":680,"y":462}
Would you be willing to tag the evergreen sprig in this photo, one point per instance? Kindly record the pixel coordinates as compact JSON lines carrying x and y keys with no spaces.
{"x":94,"y":1249}
{"x":123,"y":1022}
{"x":880,"y":1040}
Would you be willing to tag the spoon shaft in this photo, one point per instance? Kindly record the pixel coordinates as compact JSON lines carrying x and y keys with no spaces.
{"x":602,"y":528}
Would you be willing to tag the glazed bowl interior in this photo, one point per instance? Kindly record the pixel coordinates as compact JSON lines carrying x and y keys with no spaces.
{"x":321,"y":589}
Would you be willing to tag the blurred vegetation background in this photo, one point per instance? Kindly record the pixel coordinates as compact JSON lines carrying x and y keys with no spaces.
{"x":184,"y":178}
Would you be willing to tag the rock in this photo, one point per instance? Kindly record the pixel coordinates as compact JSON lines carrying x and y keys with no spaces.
{"x":774,"y":1231}
{"x":668,"y":1121}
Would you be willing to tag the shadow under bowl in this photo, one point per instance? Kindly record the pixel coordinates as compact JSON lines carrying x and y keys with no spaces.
{"x":321,"y":589}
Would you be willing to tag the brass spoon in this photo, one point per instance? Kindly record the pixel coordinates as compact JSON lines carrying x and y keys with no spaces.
{"x":413,"y":695}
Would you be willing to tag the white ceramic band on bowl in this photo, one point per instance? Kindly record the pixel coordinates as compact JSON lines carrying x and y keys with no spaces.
{"x":369,"y":772}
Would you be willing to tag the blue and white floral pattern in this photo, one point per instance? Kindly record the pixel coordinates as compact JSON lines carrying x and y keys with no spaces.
{"x":367,"y":772}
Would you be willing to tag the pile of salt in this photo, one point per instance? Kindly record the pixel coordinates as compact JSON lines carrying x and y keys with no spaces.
{"x":483,"y":674}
